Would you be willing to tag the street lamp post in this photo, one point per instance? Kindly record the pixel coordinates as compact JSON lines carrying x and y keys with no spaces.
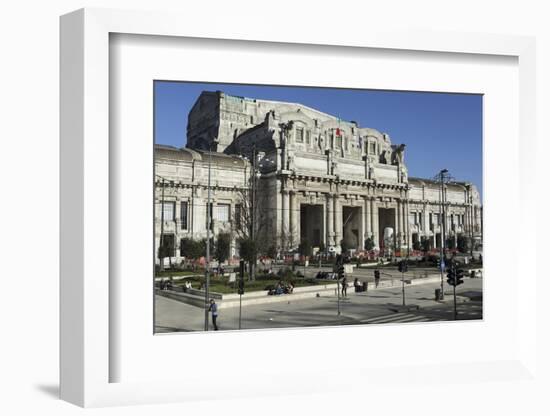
{"x":208,"y":224}
{"x":253,"y":212}
{"x":442,"y":177}
{"x":408,"y":224}
{"x":161,"y":243}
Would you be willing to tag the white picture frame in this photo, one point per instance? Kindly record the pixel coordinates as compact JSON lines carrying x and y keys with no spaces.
{"x":87,"y":302}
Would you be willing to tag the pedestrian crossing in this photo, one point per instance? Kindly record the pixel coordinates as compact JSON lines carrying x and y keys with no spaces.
{"x":397,"y":318}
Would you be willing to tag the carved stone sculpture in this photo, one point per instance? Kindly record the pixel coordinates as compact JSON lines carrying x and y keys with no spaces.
{"x":385,"y":156}
{"x":398,"y":154}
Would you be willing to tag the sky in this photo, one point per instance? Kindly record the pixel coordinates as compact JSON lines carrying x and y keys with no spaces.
{"x":441,"y":130}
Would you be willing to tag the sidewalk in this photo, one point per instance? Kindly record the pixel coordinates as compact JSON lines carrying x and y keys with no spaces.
{"x":316,"y":311}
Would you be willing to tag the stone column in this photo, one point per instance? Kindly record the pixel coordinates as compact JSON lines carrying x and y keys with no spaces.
{"x":324,"y":235}
{"x":191,"y":214}
{"x":285,"y":220}
{"x":398,"y":222}
{"x":337,"y":220}
{"x":294,"y":227}
{"x":330,"y":220}
{"x":375,"y":222}
{"x":467,"y":219}
{"x":473,"y":216}
{"x":362,"y":225}
{"x":408,"y":225}
{"x":368,"y":217}
{"x":425,"y":223}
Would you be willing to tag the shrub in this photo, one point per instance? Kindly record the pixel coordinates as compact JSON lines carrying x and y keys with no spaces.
{"x":369,"y":244}
{"x":222,"y":247}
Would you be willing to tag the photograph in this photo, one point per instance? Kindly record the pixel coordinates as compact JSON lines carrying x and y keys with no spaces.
{"x":294,"y":207}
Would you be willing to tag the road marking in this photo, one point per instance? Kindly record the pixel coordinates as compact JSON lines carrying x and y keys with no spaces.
{"x":396,"y":318}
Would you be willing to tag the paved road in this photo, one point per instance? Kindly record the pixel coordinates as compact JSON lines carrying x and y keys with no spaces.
{"x":374,"y":307}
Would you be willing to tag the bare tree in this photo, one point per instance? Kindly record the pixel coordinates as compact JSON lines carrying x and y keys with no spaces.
{"x":287,"y":239}
{"x":249,"y":221}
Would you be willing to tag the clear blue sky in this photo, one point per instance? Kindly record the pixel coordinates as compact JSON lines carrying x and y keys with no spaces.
{"x":440,"y":130}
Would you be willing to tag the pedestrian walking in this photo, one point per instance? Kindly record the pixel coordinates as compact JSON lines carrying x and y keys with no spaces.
{"x":214,"y":309}
{"x":344,"y":286}
{"x":376,"y":277}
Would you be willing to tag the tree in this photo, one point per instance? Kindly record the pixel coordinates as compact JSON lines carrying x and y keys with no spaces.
{"x":223,"y":246}
{"x":249,"y":222}
{"x":271,"y":251}
{"x":192,"y":249}
{"x":369,"y":244}
{"x":287,"y":240}
{"x":248,"y":250}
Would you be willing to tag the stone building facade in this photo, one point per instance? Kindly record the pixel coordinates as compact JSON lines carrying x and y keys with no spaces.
{"x":318,"y":179}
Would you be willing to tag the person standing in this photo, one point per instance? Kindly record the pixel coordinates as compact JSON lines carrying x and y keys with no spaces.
{"x":214,"y":309}
{"x":376,"y":277}
{"x":344,"y":287}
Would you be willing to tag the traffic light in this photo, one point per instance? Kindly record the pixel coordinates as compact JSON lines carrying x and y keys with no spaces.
{"x":403,"y":266}
{"x":340,"y":266}
{"x":241,"y":278}
{"x":377,"y":274}
{"x":459,"y":277}
{"x":241,"y":269}
{"x":451,"y":276}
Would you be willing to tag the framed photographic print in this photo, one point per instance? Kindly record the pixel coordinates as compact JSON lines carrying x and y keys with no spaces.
{"x":270,"y":213}
{"x":268,"y":209}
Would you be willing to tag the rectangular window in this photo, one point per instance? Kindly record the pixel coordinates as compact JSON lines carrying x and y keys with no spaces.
{"x":308,"y":137}
{"x":167,"y":211}
{"x":372,"y":148}
{"x":299,"y":135}
{"x":183,"y":214}
{"x":338,"y":142}
{"x":221,"y":213}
